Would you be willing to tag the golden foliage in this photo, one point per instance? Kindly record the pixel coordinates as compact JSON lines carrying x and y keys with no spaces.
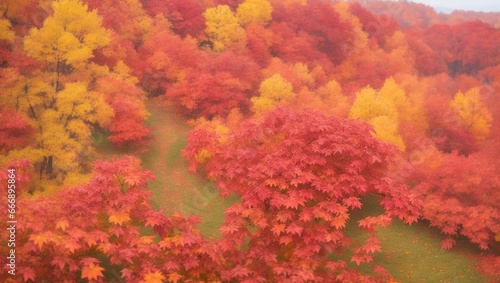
{"x":273,"y":91}
{"x":5,"y":31}
{"x":223,"y":28}
{"x":475,"y":117}
{"x":383,"y":110}
{"x":254,"y":11}
{"x":69,"y":36}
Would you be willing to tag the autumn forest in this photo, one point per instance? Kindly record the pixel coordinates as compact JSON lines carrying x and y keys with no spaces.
{"x":248,"y":141}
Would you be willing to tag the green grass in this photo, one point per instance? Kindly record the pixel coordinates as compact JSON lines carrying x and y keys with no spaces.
{"x":413,"y":253}
{"x":178,"y":190}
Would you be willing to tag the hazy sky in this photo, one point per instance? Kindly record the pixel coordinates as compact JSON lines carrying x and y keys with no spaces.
{"x":475,"y":5}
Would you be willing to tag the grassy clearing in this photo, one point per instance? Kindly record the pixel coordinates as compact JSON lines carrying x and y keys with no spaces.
{"x":413,"y":253}
{"x":176,"y":189}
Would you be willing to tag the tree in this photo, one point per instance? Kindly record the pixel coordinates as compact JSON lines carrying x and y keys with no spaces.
{"x":274,"y":91}
{"x":59,"y":98}
{"x":166,"y":57}
{"x":459,"y":195}
{"x":186,"y":16}
{"x":298,"y":175}
{"x":254,"y":11}
{"x":127,"y":102}
{"x":475,"y":117}
{"x":381,"y":112}
{"x":310,"y":33}
{"x":67,"y":39}
{"x":223,"y":29}
{"x":91,"y":232}
{"x":224,"y":82}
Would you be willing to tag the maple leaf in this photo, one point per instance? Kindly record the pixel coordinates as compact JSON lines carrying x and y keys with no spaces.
{"x":59,"y":261}
{"x":127,"y":273}
{"x":352,"y":202}
{"x":72,"y":245}
{"x":278,"y":229}
{"x":39,"y":240}
{"x":240,"y":271}
{"x":171,"y":265}
{"x":119,"y":217}
{"x":92,"y":271}
{"x":88,"y":260}
{"x":133,"y":180}
{"x":156,"y":277}
{"x":285,"y":240}
{"x":448,"y":243}
{"x":174,"y":277}
{"x":294,"y":229}
{"x":28,"y":274}
{"x":358,"y":259}
{"x":339,"y":222}
{"x":229,"y":228}
{"x":62,"y":224}
{"x":371,"y":248}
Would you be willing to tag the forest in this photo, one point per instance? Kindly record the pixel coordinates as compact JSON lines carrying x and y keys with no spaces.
{"x":248,"y":141}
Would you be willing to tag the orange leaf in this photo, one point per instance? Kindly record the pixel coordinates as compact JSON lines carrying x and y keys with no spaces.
{"x":92,"y":271}
{"x":62,"y":224}
{"x":119,"y":217}
{"x":39,"y":240}
{"x":156,"y":277}
{"x":174,"y":277}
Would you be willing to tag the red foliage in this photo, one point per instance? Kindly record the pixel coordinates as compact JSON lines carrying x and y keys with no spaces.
{"x":127,"y":100}
{"x":166,"y":58}
{"x":376,"y":26}
{"x":310,"y":33}
{"x":298,"y":175}
{"x":185,"y":15}
{"x":103,"y":217}
{"x":257,"y":43}
{"x":466,"y":48}
{"x":226,"y":81}
{"x":460,"y":196}
{"x":15,"y":130}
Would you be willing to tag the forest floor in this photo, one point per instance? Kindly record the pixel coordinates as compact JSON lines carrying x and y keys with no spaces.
{"x":410,"y":253}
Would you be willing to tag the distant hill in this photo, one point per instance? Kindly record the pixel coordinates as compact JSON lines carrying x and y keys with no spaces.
{"x":445,"y":10}
{"x":411,"y":14}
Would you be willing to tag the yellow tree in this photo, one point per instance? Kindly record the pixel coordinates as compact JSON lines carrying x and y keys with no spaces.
{"x":254,"y":11}
{"x":67,"y":39}
{"x":381,"y":112}
{"x":5,"y":30}
{"x":273,"y":91}
{"x":223,"y":28}
{"x":474,"y":115}
{"x":59,"y":98}
{"x":369,"y":105}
